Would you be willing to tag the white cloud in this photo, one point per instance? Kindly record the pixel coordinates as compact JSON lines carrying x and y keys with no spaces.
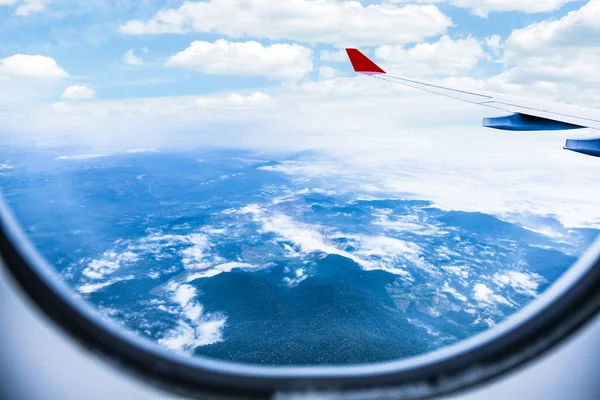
{"x":77,"y":92}
{"x":138,"y":151}
{"x":184,"y":294}
{"x":483,"y":7}
{"x":494,"y":43}
{"x":195,"y":327}
{"x":398,"y":124}
{"x":161,"y":107}
{"x":219,"y":269}
{"x":80,"y":156}
{"x":88,"y":288}
{"x":234,"y":101}
{"x":253,"y":99}
{"x":522,"y":282}
{"x":417,"y":1}
{"x":87,"y":156}
{"x":370,"y":252}
{"x":553,"y":60}
{"x":28,"y":7}
{"x":391,"y":144}
{"x":328,"y":73}
{"x":122,"y":120}
{"x":343,"y":23}
{"x":31,"y":66}
{"x":306,"y":237}
{"x":333,"y":56}
{"x":486,"y":296}
{"x":444,"y":57}
{"x":130,"y":58}
{"x":279,"y":61}
{"x":560,"y":56}
{"x":408,"y":223}
{"x":449,"y":289}
{"x":578,"y":29}
{"x":108,"y":263}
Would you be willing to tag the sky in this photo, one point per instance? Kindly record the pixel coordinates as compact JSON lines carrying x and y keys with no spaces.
{"x":116,"y":75}
{"x":72,"y":69}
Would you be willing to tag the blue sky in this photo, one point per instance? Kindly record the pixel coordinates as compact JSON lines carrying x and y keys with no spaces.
{"x":84,"y":39}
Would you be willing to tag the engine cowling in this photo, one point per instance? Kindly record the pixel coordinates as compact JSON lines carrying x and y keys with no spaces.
{"x":590,"y":147}
{"x":524,"y":122}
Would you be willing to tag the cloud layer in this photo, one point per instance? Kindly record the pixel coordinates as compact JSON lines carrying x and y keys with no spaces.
{"x":483,"y":7}
{"x":79,"y":92}
{"x":310,"y":97}
{"x":445,"y":57}
{"x":130,"y":58}
{"x":279,"y":61}
{"x":322,"y":21}
{"x":27,"y":7}
{"x":34,"y":66}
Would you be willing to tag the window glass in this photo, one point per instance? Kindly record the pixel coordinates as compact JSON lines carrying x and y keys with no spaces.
{"x":214,"y":176}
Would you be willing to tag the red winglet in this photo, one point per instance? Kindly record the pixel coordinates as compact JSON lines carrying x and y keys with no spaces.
{"x":362,"y":64}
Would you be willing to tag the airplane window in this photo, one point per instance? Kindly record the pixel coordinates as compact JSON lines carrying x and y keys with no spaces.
{"x":253,"y":204}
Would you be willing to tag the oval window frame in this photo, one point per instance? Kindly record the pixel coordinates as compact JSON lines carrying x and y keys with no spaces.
{"x":552,"y":317}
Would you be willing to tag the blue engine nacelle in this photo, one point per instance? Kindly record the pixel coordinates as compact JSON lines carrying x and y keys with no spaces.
{"x":590,"y":147}
{"x":524,"y":122}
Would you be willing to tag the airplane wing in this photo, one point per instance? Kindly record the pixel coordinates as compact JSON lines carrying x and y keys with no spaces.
{"x":525,"y":114}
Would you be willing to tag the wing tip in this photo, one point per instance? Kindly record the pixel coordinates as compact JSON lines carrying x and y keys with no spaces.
{"x":362,"y":64}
